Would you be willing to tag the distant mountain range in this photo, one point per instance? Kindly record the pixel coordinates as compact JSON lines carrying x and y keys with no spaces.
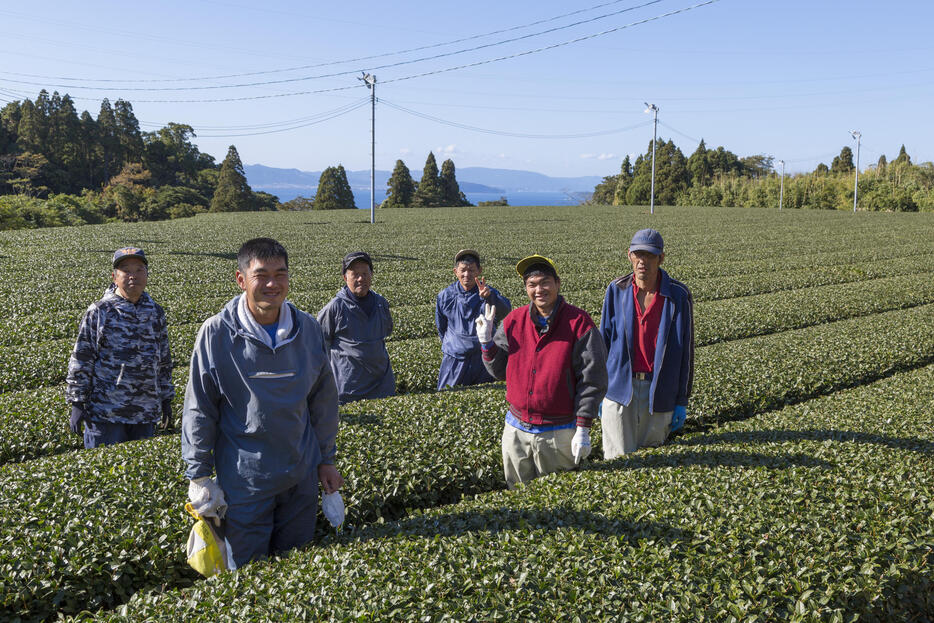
{"x":288,"y":183}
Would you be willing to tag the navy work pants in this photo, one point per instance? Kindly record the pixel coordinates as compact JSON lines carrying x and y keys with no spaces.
{"x":98,"y":434}
{"x":256,"y":529}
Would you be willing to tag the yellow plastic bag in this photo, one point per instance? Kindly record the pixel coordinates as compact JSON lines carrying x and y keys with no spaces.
{"x":207,"y":553}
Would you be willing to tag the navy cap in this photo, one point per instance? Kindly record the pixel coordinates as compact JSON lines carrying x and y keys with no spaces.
{"x":125,"y":252}
{"x":647,"y":240}
{"x":352,"y":257}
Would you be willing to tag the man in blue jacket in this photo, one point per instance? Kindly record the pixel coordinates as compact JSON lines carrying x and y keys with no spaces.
{"x":261,"y":412}
{"x":456,"y":309}
{"x":647,"y":323}
{"x":356,"y":324}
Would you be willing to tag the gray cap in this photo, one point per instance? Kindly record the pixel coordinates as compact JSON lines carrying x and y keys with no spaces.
{"x":647,"y":240}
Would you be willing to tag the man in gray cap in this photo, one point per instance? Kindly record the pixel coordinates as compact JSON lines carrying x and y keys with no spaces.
{"x":647,"y":323}
{"x":119,"y":381}
{"x":356,"y":324}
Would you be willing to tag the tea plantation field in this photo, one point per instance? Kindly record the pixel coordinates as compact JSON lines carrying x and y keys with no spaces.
{"x":802,"y":488}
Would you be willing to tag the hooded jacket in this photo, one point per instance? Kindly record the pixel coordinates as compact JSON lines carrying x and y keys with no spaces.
{"x":121,"y":366}
{"x":356,"y":344}
{"x":673,"y":369}
{"x":455,"y":312}
{"x":262,"y":417}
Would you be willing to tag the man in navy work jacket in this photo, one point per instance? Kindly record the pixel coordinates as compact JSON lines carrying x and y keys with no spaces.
{"x":456,"y":309}
{"x":261,"y":412}
{"x":648,"y":326}
{"x":554,"y":363}
{"x":356,"y":324}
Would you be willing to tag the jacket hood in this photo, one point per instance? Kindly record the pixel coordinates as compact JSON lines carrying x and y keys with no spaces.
{"x":228,"y":316}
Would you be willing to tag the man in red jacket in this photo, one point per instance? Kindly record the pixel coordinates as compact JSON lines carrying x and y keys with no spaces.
{"x":553,"y":360}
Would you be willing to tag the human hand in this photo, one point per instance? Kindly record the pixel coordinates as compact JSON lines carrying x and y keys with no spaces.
{"x":166,"y":413}
{"x":330,"y":478}
{"x":485,"y":322}
{"x":482,"y":289}
{"x":77,"y":416}
{"x":580,"y":444}
{"x":207,"y":499}
{"x":677,"y":417}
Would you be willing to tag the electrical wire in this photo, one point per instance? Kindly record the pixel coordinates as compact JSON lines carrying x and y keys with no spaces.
{"x":434,"y":72}
{"x":346,"y":110}
{"x":378,"y":67}
{"x":472,"y":128}
{"x":330,"y":63}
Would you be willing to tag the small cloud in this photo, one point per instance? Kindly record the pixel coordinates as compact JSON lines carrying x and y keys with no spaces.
{"x":587,"y":156}
{"x":501,"y":156}
{"x":405,"y":151}
{"x":450,"y":149}
{"x":606,"y":157}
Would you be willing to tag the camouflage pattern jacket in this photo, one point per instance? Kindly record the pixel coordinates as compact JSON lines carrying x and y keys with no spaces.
{"x":121,"y":367}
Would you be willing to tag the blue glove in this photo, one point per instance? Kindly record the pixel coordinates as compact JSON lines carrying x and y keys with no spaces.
{"x":77,"y":416}
{"x":677,"y":417}
{"x":166,"y":412}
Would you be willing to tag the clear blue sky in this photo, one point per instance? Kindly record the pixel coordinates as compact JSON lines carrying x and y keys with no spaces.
{"x":788,"y":79}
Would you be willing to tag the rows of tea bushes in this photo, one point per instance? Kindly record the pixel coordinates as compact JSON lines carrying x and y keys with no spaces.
{"x":32,"y":365}
{"x":44,"y":363}
{"x":92,"y":527}
{"x":34,"y":422}
{"x":820,"y":511}
{"x":455,"y":433}
{"x":733,"y":379}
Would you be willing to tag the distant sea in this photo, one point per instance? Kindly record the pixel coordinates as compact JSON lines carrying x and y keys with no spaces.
{"x":517,"y":198}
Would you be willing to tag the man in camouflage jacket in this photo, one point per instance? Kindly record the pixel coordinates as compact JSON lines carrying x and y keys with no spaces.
{"x":120,"y":373}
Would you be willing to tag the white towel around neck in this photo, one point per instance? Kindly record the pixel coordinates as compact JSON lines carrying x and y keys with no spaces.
{"x":249,"y":324}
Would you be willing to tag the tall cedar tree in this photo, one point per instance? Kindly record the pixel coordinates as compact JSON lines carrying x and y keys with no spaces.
{"x":232,"y":194}
{"x":451,"y":194}
{"x":334,"y":191}
{"x":844,"y":162}
{"x":428,"y":191}
{"x":903,"y":157}
{"x":401,"y":188}
{"x":623,"y":182}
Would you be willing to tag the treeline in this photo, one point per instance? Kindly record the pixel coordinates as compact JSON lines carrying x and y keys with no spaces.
{"x":59,"y":168}
{"x":718,"y":177}
{"x":434,"y":190}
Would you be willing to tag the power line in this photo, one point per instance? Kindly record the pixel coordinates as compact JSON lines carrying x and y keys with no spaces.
{"x":677,"y":131}
{"x":340,"y":62}
{"x":343,"y":112}
{"x":428,"y":73}
{"x":354,"y":71}
{"x":272,"y":124}
{"x":472,"y":128}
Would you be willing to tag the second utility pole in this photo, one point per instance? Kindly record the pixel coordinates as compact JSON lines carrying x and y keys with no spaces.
{"x":653,"y":108}
{"x":370,"y":81}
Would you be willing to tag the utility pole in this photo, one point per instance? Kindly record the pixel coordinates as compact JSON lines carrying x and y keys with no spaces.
{"x":856,"y":134}
{"x":653,"y":109}
{"x":370,"y":81}
{"x":781,"y":188}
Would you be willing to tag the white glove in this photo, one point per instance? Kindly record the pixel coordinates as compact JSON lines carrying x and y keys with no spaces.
{"x":485,"y":323}
{"x":580,"y":445}
{"x":333,"y":506}
{"x":207,"y":498}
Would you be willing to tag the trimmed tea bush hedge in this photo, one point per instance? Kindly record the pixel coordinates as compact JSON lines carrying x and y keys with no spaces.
{"x":818,"y":512}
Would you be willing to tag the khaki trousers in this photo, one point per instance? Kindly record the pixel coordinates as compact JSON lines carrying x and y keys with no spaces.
{"x":626,"y":429}
{"x":527,"y":456}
